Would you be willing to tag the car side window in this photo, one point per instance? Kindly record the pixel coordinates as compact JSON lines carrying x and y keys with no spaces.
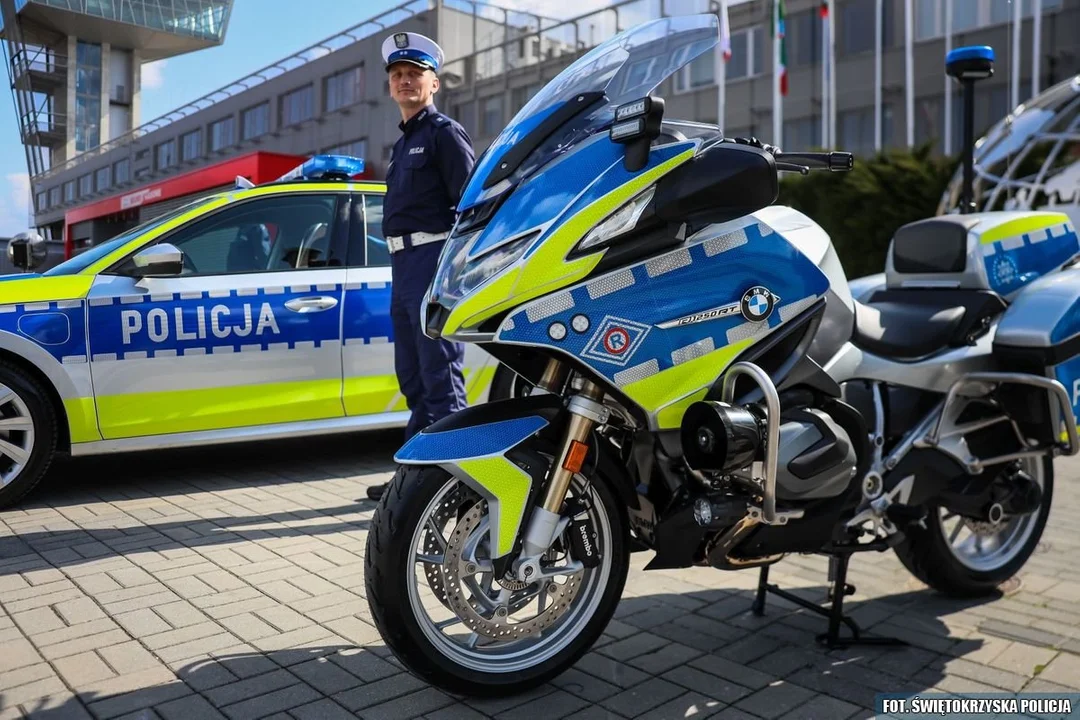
{"x":376,"y":253}
{"x":281,"y":232}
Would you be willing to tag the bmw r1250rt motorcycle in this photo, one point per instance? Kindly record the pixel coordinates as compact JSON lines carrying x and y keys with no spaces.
{"x":705,"y":385}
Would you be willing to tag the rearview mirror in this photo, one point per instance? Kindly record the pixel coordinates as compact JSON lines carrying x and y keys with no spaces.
{"x":27,"y":250}
{"x":162,"y":260}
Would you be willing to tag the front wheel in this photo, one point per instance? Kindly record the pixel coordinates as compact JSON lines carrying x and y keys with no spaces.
{"x":439,"y":608}
{"x":963,"y":558}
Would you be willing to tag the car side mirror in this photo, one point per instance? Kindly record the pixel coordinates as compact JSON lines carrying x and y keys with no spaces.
{"x":27,"y":250}
{"x":164,"y":260}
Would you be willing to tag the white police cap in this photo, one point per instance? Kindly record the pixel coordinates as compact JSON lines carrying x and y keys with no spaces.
{"x":414,"y":48}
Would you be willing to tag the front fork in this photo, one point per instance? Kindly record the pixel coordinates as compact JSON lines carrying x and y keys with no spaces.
{"x":586,"y":411}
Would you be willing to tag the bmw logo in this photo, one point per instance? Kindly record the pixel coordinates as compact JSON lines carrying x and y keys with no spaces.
{"x":757,"y":304}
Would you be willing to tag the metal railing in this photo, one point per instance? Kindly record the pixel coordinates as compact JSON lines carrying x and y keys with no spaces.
{"x":203,"y":19}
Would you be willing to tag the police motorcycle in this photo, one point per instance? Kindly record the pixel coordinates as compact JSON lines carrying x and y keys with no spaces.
{"x":705,"y":387}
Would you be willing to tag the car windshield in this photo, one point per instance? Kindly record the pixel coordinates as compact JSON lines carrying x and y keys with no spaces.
{"x":90,"y":256}
{"x":626,"y":67}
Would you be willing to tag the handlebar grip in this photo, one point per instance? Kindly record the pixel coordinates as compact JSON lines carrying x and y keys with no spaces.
{"x":841,"y":161}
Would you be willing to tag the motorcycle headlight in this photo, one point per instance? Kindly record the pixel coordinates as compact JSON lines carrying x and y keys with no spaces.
{"x":619,"y":222}
{"x":460,"y":275}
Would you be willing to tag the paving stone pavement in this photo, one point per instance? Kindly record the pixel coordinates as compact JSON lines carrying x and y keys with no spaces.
{"x":228,"y":583}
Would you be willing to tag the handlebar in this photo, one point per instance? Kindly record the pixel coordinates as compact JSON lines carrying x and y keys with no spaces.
{"x":802,"y":162}
{"x":831,"y":161}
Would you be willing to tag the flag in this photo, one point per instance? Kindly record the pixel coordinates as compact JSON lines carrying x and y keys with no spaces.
{"x":779,"y":35}
{"x":725,"y":31}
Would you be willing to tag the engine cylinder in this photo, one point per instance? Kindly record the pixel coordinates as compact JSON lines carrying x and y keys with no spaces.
{"x":717,"y":437}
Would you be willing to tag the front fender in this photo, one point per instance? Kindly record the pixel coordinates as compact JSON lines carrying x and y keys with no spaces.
{"x":473,"y":445}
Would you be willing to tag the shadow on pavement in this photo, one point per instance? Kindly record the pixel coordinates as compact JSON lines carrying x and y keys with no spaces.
{"x":165,"y":478}
{"x":684,"y":655}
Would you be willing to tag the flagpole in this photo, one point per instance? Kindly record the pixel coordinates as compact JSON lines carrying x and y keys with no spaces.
{"x":832,"y":75}
{"x":823,"y":14}
{"x":1014,"y":56}
{"x":909,"y":75}
{"x":721,"y":66}
{"x":877,"y":75}
{"x":948,"y":79}
{"x":1036,"y":41}
{"x":778,"y":110}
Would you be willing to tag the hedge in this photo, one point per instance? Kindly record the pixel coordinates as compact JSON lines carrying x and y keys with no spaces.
{"x":862,"y":208}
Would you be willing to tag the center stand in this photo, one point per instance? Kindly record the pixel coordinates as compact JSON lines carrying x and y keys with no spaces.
{"x":838,"y":566}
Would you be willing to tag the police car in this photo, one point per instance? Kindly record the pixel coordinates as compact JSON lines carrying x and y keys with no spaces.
{"x":257,"y":313}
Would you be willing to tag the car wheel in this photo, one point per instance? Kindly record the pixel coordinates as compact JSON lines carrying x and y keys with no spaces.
{"x":28,"y":431}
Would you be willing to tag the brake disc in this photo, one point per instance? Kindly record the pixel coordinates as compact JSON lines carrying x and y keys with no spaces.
{"x":498,"y":626}
{"x":448,"y":510}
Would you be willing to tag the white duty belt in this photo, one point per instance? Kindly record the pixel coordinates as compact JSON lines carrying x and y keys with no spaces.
{"x":397,"y":243}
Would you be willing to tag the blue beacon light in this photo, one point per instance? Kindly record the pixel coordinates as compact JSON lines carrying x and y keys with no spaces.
{"x":326,"y":167}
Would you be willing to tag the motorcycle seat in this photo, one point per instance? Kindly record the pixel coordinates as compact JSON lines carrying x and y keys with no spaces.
{"x":915,"y":323}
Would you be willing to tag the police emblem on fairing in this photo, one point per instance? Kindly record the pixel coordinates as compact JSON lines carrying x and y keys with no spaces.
{"x":615,"y":340}
{"x":401,"y":40}
{"x":757,"y":304}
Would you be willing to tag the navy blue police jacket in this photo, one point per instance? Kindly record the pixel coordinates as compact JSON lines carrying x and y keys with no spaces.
{"x":426,"y":175}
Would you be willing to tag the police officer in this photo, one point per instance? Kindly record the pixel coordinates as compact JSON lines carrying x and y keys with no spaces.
{"x":424,"y":180}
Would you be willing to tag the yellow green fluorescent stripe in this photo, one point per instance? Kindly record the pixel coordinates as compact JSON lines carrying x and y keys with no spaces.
{"x":1022,"y":226}
{"x":510,"y":486}
{"x":667,"y":386}
{"x":547,"y":269}
{"x":480,"y":384}
{"x":82,"y":419}
{"x":175,"y":411}
{"x":44,"y":289}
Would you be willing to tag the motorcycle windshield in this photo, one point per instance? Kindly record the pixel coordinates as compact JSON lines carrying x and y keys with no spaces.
{"x":627,"y":67}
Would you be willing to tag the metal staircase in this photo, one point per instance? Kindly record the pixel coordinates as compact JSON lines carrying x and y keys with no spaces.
{"x":37,"y":74}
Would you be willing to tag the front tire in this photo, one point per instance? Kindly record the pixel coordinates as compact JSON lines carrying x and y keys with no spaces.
{"x":28,"y":432}
{"x":396,"y":576}
{"x":955,"y":559}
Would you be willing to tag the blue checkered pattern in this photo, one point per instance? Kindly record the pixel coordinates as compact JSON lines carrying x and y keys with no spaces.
{"x":1042,"y":252}
{"x":58,"y":328}
{"x":638,"y":299}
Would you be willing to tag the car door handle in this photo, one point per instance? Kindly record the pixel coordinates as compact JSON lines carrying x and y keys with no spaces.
{"x":316,"y":303}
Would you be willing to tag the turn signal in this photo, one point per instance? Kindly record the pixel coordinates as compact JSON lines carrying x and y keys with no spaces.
{"x":575,"y":457}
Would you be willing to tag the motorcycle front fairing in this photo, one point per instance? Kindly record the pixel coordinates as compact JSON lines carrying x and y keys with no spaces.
{"x":548,"y":180}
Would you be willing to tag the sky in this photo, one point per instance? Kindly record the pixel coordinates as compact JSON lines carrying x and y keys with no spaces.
{"x":171,"y":83}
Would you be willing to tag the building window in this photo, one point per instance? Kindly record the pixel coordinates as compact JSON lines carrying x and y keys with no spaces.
{"x":255,"y":121}
{"x":298,"y":105}
{"x":969,"y":15}
{"x":802,"y":134}
{"x":87,"y":96}
{"x":521,"y":95}
{"x":344,"y":88}
{"x":122,"y":170}
{"x":165,"y":154}
{"x":491,"y":121}
{"x":222,"y":133}
{"x":69,"y":191}
{"x":356,"y":148}
{"x":855,"y":26}
{"x":804,"y":34}
{"x":103,"y":178}
{"x":54,"y":196}
{"x":855,"y":129}
{"x":191,"y":145}
{"x":41,"y":198}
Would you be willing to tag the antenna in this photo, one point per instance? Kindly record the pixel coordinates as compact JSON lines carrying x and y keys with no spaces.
{"x":969,"y":65}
